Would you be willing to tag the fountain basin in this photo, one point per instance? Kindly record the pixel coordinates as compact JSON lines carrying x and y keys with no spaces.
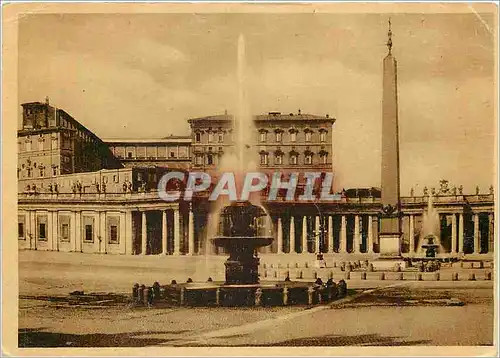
{"x":242,"y":243}
{"x":215,"y":294}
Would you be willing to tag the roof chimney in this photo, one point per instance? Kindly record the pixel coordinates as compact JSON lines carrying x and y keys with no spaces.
{"x":299,"y":111}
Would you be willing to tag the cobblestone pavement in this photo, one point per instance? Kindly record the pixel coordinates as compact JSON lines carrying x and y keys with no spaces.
{"x":43,"y":323}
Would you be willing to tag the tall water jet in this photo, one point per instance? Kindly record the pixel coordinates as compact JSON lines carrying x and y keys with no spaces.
{"x":240,"y":160}
{"x":431,"y":230}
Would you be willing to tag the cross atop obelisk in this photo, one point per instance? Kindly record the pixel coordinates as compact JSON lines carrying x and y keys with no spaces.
{"x":390,"y":229}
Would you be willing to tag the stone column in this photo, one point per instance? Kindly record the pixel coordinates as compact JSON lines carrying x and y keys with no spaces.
{"x":97,"y":232}
{"x":343,"y":234}
{"x":164,"y":232}
{"x":279,"y":230}
{"x":177,"y":233}
{"x":304,"y":234}
{"x":128,"y":233}
{"x":55,"y":224}
{"x":453,"y":234}
{"x":369,"y":248}
{"x":79,"y":232}
{"x":331,"y":243}
{"x":412,"y":234}
{"x":356,"y":235}
{"x":73,"y":234}
{"x":104,"y":239}
{"x":49,"y":231}
{"x":293,"y":248}
{"x":461,"y":233}
{"x":33,"y":230}
{"x":477,"y":246}
{"x":190,"y":232}
{"x":317,"y":233}
{"x":144,"y":233}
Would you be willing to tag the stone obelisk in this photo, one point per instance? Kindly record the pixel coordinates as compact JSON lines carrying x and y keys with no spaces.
{"x":390,"y":226}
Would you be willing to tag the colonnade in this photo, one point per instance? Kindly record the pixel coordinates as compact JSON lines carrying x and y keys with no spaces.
{"x":172,"y":231}
{"x":324,"y":234}
{"x":458,"y":233}
{"x":183,"y":242}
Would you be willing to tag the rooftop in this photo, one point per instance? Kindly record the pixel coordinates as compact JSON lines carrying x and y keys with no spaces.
{"x":269,"y":116}
{"x":166,"y":140}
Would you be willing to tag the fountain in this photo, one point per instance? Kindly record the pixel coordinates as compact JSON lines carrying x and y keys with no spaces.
{"x":241,"y":240}
{"x":429,"y":243}
{"x":430,"y":246}
{"x":239,"y":224}
{"x":240,"y":228}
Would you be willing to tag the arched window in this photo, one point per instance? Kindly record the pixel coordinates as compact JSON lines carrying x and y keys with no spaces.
{"x":264,"y":158}
{"x":278,"y":135}
{"x":322,"y":135}
{"x":294,"y":158}
{"x":308,"y":134}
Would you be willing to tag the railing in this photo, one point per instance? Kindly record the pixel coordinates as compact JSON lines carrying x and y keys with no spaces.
{"x":150,"y":195}
{"x":153,"y":194}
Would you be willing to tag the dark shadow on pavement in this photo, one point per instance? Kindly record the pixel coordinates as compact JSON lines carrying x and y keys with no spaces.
{"x":39,"y":338}
{"x":336,"y":340}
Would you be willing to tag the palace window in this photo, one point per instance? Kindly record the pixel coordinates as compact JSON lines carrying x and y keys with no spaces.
{"x":324,"y":158}
{"x":197,"y":137}
{"x":28,"y":172}
{"x":278,"y":159}
{"x":294,"y":159}
{"x":89,"y":233}
{"x":54,"y":171}
{"x":322,"y":136}
{"x":263,"y":136}
{"x":129,"y":155}
{"x":42,"y":171}
{"x":20,"y":231}
{"x":172,"y":154}
{"x":221,"y":137}
{"x":308,"y":158}
{"x":279,"y":136}
{"x":210,"y":137}
{"x":42,"y":231}
{"x":198,"y":159}
{"x":308,"y":136}
{"x":210,"y":159}
{"x":264,"y":159}
{"x":28,"y":145}
{"x":293,"y":136}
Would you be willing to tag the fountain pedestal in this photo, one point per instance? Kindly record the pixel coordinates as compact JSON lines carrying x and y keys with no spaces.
{"x":242,"y":271}
{"x":241,"y":240}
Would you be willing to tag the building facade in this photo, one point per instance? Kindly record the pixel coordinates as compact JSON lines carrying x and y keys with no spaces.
{"x":51,"y":143}
{"x":287,"y":142}
{"x":168,"y":152}
{"x":129,"y":218}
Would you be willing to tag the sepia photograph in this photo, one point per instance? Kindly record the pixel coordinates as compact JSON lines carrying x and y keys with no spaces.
{"x":299,"y":179}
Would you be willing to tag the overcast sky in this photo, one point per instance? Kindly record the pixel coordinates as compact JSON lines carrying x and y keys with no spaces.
{"x":143,"y":75}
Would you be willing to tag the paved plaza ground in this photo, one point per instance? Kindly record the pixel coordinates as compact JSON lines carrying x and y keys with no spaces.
{"x":378,"y":313}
